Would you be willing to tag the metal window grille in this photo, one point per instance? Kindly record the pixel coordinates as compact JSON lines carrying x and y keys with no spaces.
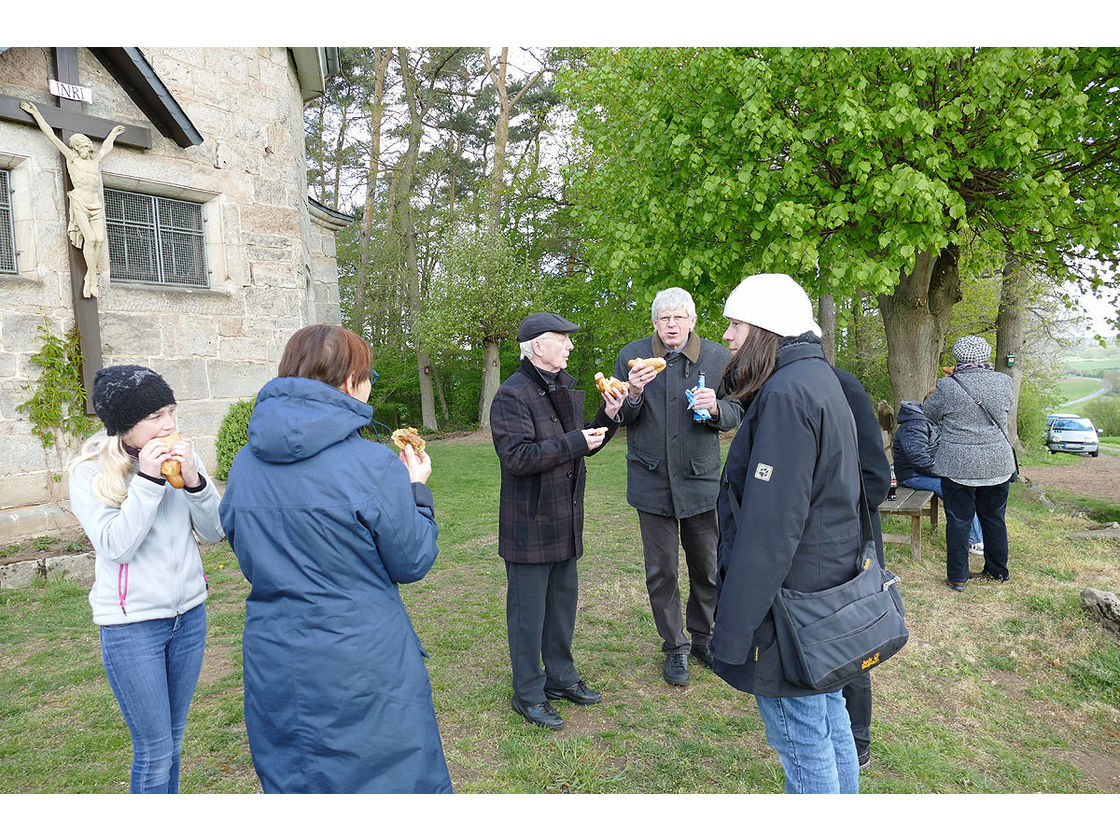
{"x":7,"y":233}
{"x":155,"y":240}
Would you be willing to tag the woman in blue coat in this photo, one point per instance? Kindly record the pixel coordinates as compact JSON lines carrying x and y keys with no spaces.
{"x":325,"y":526}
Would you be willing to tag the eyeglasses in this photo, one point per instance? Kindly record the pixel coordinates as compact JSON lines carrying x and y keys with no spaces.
{"x":679,"y":319}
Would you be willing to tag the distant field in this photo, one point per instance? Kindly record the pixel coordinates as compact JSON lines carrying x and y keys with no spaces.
{"x":1075,"y":389}
{"x":1091,"y":366}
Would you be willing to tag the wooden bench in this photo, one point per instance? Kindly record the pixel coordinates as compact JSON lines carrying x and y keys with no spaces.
{"x":912,"y":503}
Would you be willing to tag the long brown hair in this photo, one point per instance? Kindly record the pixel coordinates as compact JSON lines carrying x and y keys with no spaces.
{"x":752,"y":363}
{"x":328,"y":353}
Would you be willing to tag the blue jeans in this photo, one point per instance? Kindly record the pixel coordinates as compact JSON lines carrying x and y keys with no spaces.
{"x":932,"y":482}
{"x":813,"y":738}
{"x":153,"y":667}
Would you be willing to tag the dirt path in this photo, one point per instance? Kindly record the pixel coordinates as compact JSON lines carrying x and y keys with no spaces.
{"x":1095,"y":477}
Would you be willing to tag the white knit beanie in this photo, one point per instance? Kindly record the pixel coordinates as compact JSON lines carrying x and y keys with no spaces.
{"x":773,"y":302}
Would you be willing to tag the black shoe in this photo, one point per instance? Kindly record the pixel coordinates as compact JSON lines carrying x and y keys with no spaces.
{"x":990,"y":576}
{"x":704,"y":654}
{"x":578,"y":693}
{"x":676,"y":668}
{"x":956,"y":585}
{"x":864,"y":759}
{"x":542,"y":714}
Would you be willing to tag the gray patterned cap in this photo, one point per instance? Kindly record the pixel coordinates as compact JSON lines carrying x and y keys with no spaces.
{"x":971,"y":349}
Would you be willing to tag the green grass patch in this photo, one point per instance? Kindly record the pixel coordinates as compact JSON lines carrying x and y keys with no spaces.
{"x":1002,"y":689}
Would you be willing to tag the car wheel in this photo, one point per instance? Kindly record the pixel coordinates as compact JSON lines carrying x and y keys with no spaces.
{"x":1095,"y":454}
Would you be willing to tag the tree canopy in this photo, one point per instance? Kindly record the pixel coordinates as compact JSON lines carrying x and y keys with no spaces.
{"x":849,"y":169}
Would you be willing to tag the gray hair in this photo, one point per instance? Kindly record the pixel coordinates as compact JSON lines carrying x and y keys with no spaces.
{"x":527,"y":349}
{"x":672,"y":298}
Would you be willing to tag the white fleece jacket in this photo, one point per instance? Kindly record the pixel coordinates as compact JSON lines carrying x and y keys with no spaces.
{"x":148,"y":565}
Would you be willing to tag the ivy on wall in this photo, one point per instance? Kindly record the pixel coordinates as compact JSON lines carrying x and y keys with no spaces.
{"x":57,"y":408}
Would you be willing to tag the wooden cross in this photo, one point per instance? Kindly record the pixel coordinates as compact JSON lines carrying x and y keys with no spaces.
{"x":68,"y":119}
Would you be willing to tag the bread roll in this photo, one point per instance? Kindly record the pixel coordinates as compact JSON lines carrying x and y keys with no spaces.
{"x":658,"y":364}
{"x":403,"y":437}
{"x":171,"y":469}
{"x":611,"y":385}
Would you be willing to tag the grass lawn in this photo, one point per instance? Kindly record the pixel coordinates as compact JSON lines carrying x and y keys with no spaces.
{"x":1003,"y":688}
{"x":1075,"y":389}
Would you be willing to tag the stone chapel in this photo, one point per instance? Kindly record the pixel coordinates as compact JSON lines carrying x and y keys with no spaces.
{"x":215,"y":253}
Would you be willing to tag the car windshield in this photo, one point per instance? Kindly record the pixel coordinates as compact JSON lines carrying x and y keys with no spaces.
{"x":1078,"y":425}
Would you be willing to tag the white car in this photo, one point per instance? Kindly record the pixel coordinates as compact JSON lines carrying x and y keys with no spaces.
{"x":1073,"y":434}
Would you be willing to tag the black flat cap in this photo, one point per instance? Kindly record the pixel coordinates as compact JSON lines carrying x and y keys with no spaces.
{"x":542,"y":322}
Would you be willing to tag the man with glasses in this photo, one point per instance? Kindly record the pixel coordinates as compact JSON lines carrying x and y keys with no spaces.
{"x":673,"y":421}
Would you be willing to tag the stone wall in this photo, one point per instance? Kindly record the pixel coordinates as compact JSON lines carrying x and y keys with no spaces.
{"x":271,"y":261}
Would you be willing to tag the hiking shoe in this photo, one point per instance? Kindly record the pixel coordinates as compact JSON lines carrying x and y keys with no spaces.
{"x":676,"y":668}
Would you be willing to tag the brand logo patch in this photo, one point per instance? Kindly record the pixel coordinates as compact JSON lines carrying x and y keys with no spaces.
{"x":763,"y":472}
{"x":867,"y":663}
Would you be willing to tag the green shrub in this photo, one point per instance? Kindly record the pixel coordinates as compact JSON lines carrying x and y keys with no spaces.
{"x":1104,"y":412}
{"x":232,"y":435}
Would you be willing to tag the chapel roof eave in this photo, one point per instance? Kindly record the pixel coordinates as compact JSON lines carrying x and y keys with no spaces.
{"x":136,"y":76}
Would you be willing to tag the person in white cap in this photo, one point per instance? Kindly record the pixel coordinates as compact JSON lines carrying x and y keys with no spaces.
{"x":973,"y":458}
{"x":788,"y":510}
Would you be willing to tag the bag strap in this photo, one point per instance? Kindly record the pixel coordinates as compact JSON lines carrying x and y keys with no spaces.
{"x":984,"y":408}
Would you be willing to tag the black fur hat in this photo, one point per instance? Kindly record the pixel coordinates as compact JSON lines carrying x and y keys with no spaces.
{"x":123,"y":395}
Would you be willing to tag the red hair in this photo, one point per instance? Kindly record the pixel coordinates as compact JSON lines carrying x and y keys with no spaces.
{"x":328,"y":353}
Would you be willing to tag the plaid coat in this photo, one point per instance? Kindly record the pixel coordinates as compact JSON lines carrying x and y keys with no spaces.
{"x":541,"y":448}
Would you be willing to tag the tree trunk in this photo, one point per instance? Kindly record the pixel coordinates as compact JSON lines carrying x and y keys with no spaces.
{"x":407,"y":227}
{"x":1013,"y":293}
{"x":491,"y":379}
{"x":365,"y":234}
{"x":827,"y":317}
{"x":915,"y":318}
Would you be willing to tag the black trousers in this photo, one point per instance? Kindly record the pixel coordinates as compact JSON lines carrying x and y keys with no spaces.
{"x":699,"y":536}
{"x":541,"y":601}
{"x":989,"y":504}
{"x":857,"y":697}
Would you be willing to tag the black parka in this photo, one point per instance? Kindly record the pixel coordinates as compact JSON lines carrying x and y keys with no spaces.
{"x":793,"y":469}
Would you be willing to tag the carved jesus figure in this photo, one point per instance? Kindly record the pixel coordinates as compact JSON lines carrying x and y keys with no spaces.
{"x":86,"y":228}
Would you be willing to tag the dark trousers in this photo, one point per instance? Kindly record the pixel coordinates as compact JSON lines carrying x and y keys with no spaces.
{"x":699,"y":536}
{"x":857,"y":697}
{"x":988,"y":504}
{"x":541,"y":619}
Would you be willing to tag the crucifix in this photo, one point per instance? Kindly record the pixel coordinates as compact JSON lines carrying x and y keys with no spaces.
{"x":82,"y":186}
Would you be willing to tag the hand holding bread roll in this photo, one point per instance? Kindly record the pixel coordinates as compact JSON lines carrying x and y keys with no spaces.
{"x":171,"y":469}
{"x":611,"y":385}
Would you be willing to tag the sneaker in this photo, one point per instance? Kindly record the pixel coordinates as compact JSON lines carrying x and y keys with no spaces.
{"x":676,"y":668}
{"x":864,"y":759}
{"x":956,"y":585}
{"x":976,"y":548}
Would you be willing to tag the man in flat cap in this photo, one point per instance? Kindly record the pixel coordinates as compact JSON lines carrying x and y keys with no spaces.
{"x":541,"y":439}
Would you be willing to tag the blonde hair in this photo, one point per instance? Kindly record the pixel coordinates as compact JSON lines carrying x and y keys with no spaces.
{"x":110,"y":484}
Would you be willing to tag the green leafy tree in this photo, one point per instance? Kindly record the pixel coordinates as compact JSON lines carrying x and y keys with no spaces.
{"x":850,"y":169}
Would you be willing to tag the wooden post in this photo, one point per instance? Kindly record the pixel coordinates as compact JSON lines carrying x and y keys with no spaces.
{"x":85,"y":309}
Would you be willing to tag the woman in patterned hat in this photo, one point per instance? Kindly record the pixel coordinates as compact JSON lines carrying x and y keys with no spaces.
{"x":974,"y":458}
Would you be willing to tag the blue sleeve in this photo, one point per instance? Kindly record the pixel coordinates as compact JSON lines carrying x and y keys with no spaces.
{"x":401,"y":517}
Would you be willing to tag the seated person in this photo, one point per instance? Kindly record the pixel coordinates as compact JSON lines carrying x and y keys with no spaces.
{"x":915,"y":442}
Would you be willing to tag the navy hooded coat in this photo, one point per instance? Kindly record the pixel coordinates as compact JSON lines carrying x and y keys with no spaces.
{"x":325,"y":525}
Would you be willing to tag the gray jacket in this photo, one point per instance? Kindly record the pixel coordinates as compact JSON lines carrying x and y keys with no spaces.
{"x":673,"y":464}
{"x":972,"y":450}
